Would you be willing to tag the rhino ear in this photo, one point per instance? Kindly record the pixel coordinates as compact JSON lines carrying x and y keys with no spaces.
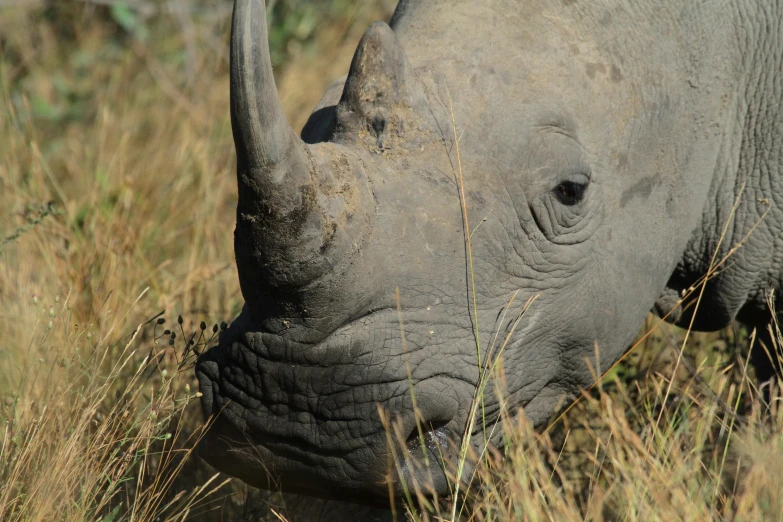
{"x":379,"y":83}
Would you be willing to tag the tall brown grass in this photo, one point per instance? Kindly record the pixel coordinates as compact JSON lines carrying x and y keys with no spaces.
{"x":118,"y":198}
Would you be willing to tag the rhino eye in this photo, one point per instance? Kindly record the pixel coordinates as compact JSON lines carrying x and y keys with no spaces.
{"x":570,"y":192}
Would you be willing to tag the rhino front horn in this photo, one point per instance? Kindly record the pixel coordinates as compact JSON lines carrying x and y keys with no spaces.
{"x":291,"y":195}
{"x":379,"y":84}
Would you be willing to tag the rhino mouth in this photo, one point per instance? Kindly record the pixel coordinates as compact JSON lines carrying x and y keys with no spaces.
{"x":285,"y":415}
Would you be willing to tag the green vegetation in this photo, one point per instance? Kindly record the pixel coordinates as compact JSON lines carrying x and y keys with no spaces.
{"x":118,"y":197}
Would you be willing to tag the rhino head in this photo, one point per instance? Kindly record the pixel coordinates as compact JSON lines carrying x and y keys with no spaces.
{"x":351,"y":242}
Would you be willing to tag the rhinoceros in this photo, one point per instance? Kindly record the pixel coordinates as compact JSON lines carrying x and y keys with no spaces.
{"x":585,"y":162}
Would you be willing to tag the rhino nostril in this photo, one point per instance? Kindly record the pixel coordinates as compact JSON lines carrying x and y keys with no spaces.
{"x":430,"y":435}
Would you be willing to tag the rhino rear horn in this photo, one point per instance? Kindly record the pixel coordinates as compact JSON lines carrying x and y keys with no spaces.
{"x":379,"y":81}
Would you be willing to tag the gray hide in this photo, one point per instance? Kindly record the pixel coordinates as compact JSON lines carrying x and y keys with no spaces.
{"x":603,"y":145}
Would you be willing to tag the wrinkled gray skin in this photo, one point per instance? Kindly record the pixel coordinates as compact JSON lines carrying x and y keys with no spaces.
{"x":659,"y":114}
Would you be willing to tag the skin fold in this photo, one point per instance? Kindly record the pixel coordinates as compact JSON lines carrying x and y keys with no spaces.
{"x":609,"y":151}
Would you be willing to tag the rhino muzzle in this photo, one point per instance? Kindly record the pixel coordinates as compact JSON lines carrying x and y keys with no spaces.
{"x":304,"y":420}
